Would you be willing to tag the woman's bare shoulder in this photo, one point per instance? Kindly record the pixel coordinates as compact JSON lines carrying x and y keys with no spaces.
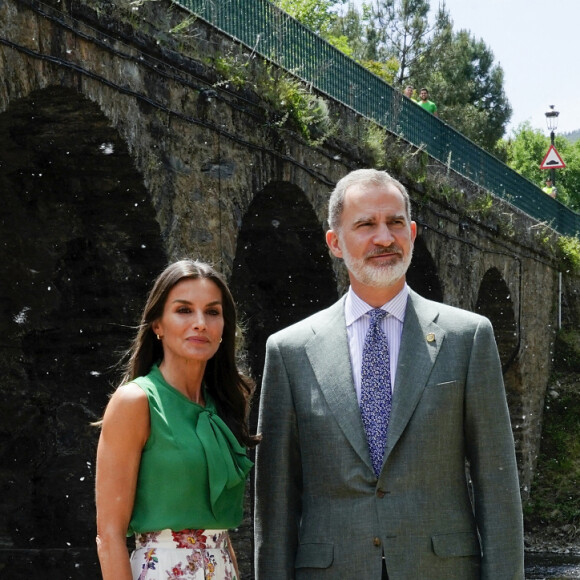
{"x":128,"y":403}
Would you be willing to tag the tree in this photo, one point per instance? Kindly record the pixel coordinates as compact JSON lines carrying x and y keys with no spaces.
{"x":363,"y":40}
{"x":405,"y":32}
{"x":568,"y":179}
{"x":352,"y":32}
{"x":357,"y":28}
{"x":318,"y":15}
{"x":396,"y":40}
{"x":525,"y":150}
{"x":461,"y":75}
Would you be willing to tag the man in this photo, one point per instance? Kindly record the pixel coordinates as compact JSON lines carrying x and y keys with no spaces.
{"x":549,"y":188}
{"x":330,"y":502}
{"x":424,"y":102}
{"x":408,"y":92}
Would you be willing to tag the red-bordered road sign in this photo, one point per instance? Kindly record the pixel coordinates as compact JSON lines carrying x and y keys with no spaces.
{"x":552,"y":160}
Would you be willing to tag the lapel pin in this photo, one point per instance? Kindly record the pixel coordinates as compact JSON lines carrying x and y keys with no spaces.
{"x":430,"y":337}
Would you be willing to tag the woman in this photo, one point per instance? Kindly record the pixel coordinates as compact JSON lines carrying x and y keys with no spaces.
{"x":171,"y":460}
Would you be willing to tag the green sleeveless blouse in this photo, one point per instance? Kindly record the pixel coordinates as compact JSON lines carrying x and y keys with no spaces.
{"x":193,"y":470}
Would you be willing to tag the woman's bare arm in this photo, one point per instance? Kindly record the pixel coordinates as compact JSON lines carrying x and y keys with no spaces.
{"x":124,"y":432}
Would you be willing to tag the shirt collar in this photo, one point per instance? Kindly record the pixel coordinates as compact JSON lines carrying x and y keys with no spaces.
{"x":355,"y":307}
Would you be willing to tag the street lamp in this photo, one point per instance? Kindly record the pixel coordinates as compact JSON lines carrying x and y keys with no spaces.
{"x":552,"y":122}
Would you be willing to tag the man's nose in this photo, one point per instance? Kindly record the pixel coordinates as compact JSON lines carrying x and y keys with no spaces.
{"x":383,"y":236}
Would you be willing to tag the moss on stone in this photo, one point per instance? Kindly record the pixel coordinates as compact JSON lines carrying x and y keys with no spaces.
{"x":554,"y":499}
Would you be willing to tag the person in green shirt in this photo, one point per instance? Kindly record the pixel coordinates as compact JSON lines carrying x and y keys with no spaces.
{"x":171,"y":459}
{"x":424,"y":102}
{"x":549,"y":188}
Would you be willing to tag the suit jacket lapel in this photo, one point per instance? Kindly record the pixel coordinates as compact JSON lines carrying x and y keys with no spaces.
{"x":420,"y":344}
{"x":329,"y":356}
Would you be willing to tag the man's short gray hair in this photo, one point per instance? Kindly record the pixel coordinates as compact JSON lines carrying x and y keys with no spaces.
{"x":361,"y":177}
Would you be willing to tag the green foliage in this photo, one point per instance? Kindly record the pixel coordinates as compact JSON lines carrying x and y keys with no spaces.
{"x":318,"y":15}
{"x":568,"y":179}
{"x":182,"y":29}
{"x":524,"y":152}
{"x":544,"y":235}
{"x":450,"y":194}
{"x":356,"y":27}
{"x":341,"y":43}
{"x":348,"y":33}
{"x":466,"y":84}
{"x":481,"y":205}
{"x":567,"y":350}
{"x":233,"y":69}
{"x":404,"y":31}
{"x":373,"y":143}
{"x":293,"y":102}
{"x":569,"y":248}
{"x":554,"y":495}
{"x":458,"y":69}
{"x":297,"y":105}
{"x":385,"y":70}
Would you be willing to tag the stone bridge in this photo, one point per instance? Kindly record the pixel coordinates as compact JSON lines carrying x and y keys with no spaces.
{"x":121,"y":148}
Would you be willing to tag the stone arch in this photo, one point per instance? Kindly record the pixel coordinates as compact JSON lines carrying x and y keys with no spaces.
{"x":80,"y":245}
{"x":422,"y":275}
{"x":494,"y":301}
{"x":282,"y":269}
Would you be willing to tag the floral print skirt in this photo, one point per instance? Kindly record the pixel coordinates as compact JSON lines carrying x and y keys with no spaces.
{"x":184,"y":555}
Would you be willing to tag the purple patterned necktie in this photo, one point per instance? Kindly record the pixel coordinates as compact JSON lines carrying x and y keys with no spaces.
{"x":375,"y":399}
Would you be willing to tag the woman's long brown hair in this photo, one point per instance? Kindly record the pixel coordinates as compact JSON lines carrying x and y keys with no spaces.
{"x":229,"y":388}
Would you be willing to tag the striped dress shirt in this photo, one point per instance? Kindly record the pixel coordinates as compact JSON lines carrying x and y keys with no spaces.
{"x":357,"y":326}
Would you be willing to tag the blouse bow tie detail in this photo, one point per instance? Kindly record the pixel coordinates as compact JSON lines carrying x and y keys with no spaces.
{"x":228,"y":465}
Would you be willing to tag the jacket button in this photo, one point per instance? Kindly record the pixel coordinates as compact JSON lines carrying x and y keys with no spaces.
{"x":377,"y":541}
{"x":381,"y":493}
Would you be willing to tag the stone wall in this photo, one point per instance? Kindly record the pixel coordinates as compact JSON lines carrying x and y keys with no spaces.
{"x":120,"y":149}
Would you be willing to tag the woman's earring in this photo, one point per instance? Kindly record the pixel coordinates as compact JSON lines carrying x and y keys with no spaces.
{"x":158,"y":336}
{"x":221,"y":340}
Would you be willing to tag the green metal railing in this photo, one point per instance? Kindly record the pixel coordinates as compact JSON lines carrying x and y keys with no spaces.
{"x":275,"y":35}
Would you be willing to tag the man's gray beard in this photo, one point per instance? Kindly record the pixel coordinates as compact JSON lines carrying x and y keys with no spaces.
{"x":376,"y":276}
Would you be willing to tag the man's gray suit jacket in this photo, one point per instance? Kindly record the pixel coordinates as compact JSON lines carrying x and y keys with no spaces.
{"x":320,"y":510}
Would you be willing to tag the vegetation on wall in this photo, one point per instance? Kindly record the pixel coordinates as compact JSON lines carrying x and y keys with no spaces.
{"x":293,"y":103}
{"x":405,"y":42}
{"x":569,"y":248}
{"x":303,"y":109}
{"x":554,"y":500}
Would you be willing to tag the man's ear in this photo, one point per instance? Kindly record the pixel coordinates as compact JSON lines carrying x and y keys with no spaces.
{"x":413,"y":231}
{"x":333,"y":243}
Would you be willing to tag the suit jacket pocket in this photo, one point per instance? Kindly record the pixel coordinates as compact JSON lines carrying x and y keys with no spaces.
{"x":457,"y":544}
{"x":314,"y":555}
{"x":446,"y":384}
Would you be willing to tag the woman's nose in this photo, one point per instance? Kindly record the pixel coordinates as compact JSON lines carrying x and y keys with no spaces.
{"x":198,"y":320}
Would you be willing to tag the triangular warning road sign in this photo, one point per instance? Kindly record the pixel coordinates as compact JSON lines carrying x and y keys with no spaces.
{"x":552,"y":160}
